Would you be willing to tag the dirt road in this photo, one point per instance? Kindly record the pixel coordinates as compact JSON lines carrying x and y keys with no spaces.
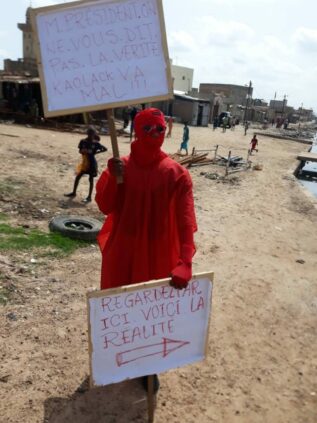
{"x":257,"y":232}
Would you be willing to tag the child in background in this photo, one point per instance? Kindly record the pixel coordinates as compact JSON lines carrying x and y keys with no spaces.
{"x":254,"y":143}
{"x":184,"y":144}
{"x":88,"y":148}
{"x":170,"y":126}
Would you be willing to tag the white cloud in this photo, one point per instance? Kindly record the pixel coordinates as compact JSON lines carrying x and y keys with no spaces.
{"x":224,"y":33}
{"x":4,"y":53}
{"x":229,"y":51}
{"x":306,"y":39}
{"x":182,"y":41}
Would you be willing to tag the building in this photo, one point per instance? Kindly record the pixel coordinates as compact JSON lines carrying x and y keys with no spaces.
{"x":194,"y":111}
{"x":236,"y":93}
{"x":185,"y":108}
{"x":26,"y":65}
{"x":278,"y":109}
{"x":259,"y":102}
{"x":182,"y":78}
{"x":278,"y":105}
{"x":187,"y":105}
{"x":226,"y":97}
{"x":20,"y":92}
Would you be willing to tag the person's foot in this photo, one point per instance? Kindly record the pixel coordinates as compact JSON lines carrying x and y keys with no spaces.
{"x":156,"y":383}
{"x":70,"y":195}
{"x":87,"y":200}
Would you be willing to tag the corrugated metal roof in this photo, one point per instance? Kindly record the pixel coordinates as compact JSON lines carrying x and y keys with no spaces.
{"x":18,"y":79}
{"x":189,"y":98}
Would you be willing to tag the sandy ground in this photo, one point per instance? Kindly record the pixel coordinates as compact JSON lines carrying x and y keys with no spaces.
{"x":262,"y":358}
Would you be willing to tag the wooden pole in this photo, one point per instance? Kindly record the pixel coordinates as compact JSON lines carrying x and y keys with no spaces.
{"x":248,"y":164}
{"x":86,"y":118}
{"x":216,"y":150}
{"x":150,"y":398}
{"x":114,"y":141}
{"x":228,"y":164}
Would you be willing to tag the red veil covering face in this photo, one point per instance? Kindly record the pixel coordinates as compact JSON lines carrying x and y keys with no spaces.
{"x":148,"y":232}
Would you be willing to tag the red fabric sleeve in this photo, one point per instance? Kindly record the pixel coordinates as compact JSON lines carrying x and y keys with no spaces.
{"x":106,"y":192}
{"x":186,"y":221}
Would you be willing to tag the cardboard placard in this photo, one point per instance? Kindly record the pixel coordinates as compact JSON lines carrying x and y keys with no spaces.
{"x":95,"y":55}
{"x":148,"y":328}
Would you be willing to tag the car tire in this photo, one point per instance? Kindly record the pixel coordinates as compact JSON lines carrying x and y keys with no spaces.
{"x":76,"y":227}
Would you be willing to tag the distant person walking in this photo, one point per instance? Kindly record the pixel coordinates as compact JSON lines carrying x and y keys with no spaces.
{"x":125,"y":117}
{"x":233,"y":123}
{"x":246,"y":127}
{"x":225,"y":122}
{"x":184,"y":144}
{"x":170,"y":126}
{"x":254,"y":143}
{"x":215,"y":123}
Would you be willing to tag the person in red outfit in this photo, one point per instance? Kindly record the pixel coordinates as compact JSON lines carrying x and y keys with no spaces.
{"x":254,"y":143}
{"x":149,"y":230}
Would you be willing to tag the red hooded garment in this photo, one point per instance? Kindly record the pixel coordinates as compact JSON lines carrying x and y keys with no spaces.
{"x":150,"y":220}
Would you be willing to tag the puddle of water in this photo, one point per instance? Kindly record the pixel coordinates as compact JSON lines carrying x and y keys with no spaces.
{"x":311,"y":167}
{"x":311,"y":186}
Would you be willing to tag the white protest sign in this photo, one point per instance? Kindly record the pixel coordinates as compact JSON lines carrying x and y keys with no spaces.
{"x":147,"y":328}
{"x":101,"y":54}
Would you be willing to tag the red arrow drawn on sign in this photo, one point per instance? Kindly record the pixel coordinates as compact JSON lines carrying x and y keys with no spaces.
{"x":163,"y":348}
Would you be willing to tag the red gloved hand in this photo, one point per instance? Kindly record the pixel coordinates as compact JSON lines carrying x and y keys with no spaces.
{"x":116,"y":167}
{"x":181,"y":275}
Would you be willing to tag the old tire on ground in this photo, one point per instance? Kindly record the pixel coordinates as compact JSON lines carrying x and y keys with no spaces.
{"x":76,"y":227}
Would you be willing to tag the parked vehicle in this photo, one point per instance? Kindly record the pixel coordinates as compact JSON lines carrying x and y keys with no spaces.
{"x":222,"y":115}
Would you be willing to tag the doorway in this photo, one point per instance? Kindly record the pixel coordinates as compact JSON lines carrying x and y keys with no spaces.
{"x":200,"y":115}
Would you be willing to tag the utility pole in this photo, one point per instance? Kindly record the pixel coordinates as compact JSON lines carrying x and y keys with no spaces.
{"x":274,"y":104}
{"x":249,"y":95}
{"x":284,"y":102}
{"x":300,"y":114}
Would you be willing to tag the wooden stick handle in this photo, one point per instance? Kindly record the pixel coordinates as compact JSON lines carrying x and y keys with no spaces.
{"x":114,"y":141}
{"x":150,"y":397}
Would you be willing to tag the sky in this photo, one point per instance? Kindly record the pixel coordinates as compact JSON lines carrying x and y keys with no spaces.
{"x":271,"y":43}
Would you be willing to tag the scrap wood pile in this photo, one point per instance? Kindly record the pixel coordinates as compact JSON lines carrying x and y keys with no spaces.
{"x":200,"y":158}
{"x":196,"y":159}
{"x":234,"y":161}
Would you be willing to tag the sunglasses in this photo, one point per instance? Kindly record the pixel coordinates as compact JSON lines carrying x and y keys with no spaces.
{"x":158,"y":128}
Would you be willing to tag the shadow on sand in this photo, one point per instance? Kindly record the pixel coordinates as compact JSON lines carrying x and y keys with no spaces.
{"x":120,"y":403}
{"x":72,"y":203}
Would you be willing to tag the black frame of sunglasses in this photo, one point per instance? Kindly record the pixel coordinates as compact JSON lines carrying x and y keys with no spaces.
{"x":159,"y":128}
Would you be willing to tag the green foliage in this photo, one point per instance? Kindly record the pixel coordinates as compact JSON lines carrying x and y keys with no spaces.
{"x":21,"y":239}
{"x":4,"y":294}
{"x":3,"y":216}
{"x":10,"y":185}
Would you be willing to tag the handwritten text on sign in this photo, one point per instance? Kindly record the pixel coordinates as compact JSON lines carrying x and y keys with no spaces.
{"x":102,"y":52}
{"x":148,"y":330}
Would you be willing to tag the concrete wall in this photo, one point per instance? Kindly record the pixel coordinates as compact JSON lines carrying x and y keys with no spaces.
{"x":204,"y":110}
{"x":183,"y":110}
{"x":278,"y":105}
{"x":234,"y":94}
{"x":192,"y":111}
{"x":28,"y":46}
{"x":182,"y":78}
{"x":20,"y":66}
